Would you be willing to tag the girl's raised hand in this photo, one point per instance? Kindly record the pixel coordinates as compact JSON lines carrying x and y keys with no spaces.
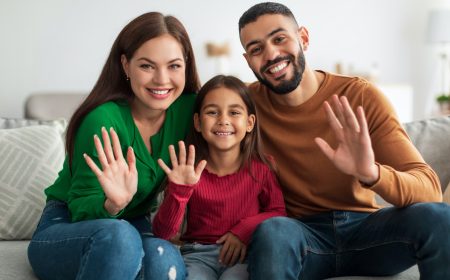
{"x":117,"y":177}
{"x":183,"y":171}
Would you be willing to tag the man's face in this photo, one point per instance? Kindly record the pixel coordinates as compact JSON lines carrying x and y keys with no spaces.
{"x":273,"y":51}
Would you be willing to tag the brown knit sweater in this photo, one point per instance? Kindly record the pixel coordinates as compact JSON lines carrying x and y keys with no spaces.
{"x":311,"y":183}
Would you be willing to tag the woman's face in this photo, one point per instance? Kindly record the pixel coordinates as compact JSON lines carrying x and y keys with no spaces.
{"x":156,"y":72}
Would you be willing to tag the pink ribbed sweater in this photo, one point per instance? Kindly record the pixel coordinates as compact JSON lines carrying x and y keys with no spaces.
{"x":216,"y":205}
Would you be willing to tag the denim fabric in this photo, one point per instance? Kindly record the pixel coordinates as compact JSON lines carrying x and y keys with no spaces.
{"x":202,"y":263}
{"x":100,"y":249}
{"x":342,"y":243}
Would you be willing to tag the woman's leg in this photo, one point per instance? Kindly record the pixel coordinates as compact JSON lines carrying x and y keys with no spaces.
{"x":95,"y":249}
{"x":162,"y":259}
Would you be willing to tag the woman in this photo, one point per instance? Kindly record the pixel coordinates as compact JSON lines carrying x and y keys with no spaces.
{"x":144,"y":96}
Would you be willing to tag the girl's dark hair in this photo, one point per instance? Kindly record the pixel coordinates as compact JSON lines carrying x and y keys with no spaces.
{"x":251,"y":147}
{"x":112,"y":83}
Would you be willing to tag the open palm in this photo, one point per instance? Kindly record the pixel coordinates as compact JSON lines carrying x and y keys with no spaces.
{"x":117,"y":177}
{"x":354,"y":154}
{"x":183,"y":171}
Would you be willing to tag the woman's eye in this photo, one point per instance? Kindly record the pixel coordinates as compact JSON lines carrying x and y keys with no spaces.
{"x":174,"y":66}
{"x":146,"y":66}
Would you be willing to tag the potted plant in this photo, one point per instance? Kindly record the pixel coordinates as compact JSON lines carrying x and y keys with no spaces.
{"x":444,"y":102}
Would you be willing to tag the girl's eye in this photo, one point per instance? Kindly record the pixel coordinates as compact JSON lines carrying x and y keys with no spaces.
{"x":235,"y":113}
{"x":211,"y":113}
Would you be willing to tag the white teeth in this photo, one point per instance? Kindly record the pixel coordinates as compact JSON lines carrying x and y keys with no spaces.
{"x":278,"y":68}
{"x":159,"y":91}
{"x":222,"y":133}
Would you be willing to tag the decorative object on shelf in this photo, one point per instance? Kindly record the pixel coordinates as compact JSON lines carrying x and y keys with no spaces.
{"x":439,"y":33}
{"x":220,"y":53}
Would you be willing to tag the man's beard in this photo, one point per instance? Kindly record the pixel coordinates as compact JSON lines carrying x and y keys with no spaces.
{"x":287,"y":86}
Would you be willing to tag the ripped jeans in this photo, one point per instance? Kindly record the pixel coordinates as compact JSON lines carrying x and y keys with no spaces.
{"x":100,"y":249}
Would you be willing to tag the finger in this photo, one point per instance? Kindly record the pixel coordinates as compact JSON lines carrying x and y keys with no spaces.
{"x":191,"y":155}
{"x":107,"y":146}
{"x":333,"y":120}
{"x":182,"y":152}
{"x":362,"y":121}
{"x":243,"y":254}
{"x":338,"y":110}
{"x":101,"y":153}
{"x":228,"y":256}
{"x":200,"y":167}
{"x":326,"y":149}
{"x":164,"y":167}
{"x":350,"y":115}
{"x":116,"y":144}
{"x":235,"y":256}
{"x":173,"y":156}
{"x":131,"y":159}
{"x":97,"y":171}
{"x":223,"y":252}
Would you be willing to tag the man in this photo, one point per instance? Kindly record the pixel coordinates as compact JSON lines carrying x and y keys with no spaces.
{"x":332,"y":161}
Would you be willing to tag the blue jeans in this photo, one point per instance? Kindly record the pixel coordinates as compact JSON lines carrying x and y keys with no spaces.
{"x":340,"y":243}
{"x":100,"y":249}
{"x":202,"y":263}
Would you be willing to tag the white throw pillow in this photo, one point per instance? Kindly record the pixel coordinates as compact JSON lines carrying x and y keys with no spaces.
{"x":30,"y":159}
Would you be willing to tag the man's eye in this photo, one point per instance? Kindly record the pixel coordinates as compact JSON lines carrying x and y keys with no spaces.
{"x":279,"y":39}
{"x":255,"y":51}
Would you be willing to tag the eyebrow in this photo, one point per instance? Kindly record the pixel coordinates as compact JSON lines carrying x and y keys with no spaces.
{"x":267,"y":36}
{"x":215,"y":106}
{"x":153,"y":62}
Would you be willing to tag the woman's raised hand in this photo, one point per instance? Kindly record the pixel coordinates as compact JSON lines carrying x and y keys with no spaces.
{"x":117,"y":177}
{"x":183,"y":171}
{"x":354,"y":154}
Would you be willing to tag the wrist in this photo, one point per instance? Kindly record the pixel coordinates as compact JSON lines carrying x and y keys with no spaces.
{"x":113,"y":208}
{"x":371,"y":179}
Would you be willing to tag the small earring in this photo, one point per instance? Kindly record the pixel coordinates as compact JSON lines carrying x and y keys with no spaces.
{"x":128,"y":78}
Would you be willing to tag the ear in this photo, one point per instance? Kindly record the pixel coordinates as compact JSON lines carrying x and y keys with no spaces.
{"x":251,"y":123}
{"x":303,"y":36}
{"x":197,"y":122}
{"x":125,"y":64}
{"x":246,"y":58}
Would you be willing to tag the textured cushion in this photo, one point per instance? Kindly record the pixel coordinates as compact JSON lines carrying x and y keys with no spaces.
{"x":30,"y":158}
{"x":447,"y":194}
{"x":431,"y":137}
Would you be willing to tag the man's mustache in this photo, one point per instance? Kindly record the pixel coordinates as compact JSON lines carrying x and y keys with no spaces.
{"x":270,"y":63}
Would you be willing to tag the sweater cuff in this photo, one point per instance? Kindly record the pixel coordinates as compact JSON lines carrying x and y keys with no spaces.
{"x":180,"y":190}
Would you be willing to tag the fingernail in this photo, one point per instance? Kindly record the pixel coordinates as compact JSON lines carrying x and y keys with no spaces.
{"x":95,"y":136}
{"x":84,"y":155}
{"x":103,"y":128}
{"x":111,"y":128}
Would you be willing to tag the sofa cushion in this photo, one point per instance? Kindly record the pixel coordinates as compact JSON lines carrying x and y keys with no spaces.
{"x":32,"y":153}
{"x":14,"y":261}
{"x":431,"y":137}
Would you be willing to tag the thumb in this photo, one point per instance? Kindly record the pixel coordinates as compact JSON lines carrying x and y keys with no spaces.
{"x":221,"y":239}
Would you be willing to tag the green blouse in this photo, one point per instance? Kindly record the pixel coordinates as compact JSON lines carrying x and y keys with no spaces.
{"x":81,"y":189}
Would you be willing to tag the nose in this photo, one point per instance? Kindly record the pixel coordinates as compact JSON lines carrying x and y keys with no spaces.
{"x":161,"y":76}
{"x":271,"y":52}
{"x":223,"y":120}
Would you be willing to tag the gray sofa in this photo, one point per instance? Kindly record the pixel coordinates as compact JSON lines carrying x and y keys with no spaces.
{"x":22,"y":198}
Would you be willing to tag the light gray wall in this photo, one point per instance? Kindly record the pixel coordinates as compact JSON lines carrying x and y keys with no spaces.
{"x":61,"y":45}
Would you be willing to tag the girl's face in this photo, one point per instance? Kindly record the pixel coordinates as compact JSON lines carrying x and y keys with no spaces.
{"x":223,"y":120}
{"x":156,"y":72}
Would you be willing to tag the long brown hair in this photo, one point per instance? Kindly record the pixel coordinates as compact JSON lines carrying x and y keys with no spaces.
{"x":251,"y":146}
{"x":112,"y":83}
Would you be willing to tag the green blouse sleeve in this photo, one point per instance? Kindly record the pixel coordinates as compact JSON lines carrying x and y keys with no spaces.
{"x":86,"y":197}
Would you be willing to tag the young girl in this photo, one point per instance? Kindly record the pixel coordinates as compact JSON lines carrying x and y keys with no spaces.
{"x":231,"y":196}
{"x":90,"y":227}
